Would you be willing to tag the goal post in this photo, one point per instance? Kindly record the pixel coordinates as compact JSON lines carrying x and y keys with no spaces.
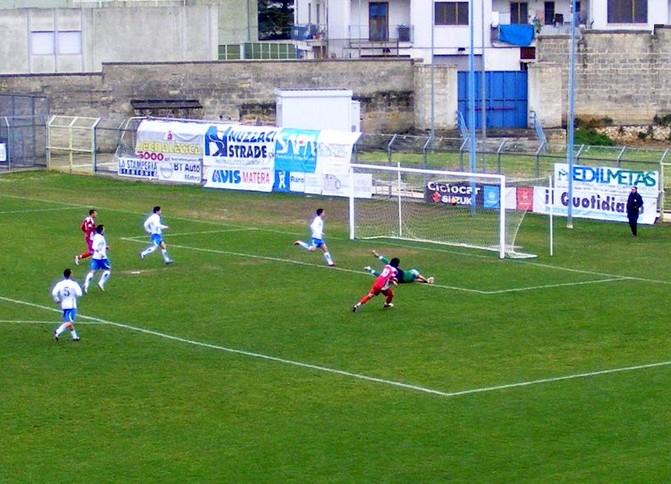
{"x":475,"y":210}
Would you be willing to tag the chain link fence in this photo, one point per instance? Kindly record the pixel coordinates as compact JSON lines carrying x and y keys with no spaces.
{"x":23,"y":131}
{"x":93,"y":145}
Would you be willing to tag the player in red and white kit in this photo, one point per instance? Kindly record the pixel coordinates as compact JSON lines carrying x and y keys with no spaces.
{"x":387,"y":277}
{"x":88,"y":226}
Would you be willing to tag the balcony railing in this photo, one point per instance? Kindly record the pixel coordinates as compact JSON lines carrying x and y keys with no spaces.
{"x":383,"y":33}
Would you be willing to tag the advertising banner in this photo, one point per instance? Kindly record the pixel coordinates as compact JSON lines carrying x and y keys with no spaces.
{"x":334,"y":151}
{"x":136,"y":168}
{"x":599,"y":193}
{"x":339,"y":185}
{"x":240,"y":157}
{"x":179,"y":171}
{"x":296,"y":150}
{"x":168,"y":150}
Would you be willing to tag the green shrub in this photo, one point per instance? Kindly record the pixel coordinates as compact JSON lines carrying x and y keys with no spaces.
{"x":589,"y":136}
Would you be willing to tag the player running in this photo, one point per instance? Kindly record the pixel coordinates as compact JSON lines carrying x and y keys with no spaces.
{"x":382,"y":286}
{"x":99,"y":261}
{"x":88,"y":226}
{"x":65,"y":293}
{"x":404,"y":276}
{"x":317,"y":240}
{"x":154,"y":227}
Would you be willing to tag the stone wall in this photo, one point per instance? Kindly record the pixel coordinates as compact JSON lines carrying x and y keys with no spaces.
{"x":238,"y":91}
{"x":624,"y":75}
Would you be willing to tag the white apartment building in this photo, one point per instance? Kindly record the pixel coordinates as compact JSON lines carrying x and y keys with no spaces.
{"x":441,"y":32}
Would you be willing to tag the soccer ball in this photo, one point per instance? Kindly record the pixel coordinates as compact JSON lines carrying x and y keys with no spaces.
{"x":453,"y":201}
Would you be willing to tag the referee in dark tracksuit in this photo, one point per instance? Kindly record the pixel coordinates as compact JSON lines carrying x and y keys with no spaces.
{"x":634,"y":205}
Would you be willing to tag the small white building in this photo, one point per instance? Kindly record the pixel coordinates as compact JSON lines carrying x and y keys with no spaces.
{"x":321,"y":109}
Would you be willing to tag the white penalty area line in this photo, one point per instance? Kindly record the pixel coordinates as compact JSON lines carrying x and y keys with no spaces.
{"x":325,"y":369}
{"x":54,"y":322}
{"x":201,"y":232}
{"x":564,"y":284}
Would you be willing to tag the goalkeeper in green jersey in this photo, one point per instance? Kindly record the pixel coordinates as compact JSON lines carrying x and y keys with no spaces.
{"x":404,"y":277}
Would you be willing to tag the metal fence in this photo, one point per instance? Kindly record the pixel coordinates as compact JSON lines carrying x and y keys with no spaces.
{"x":515,"y":158}
{"x":23,"y":131}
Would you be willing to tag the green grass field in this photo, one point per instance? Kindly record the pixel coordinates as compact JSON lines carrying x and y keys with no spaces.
{"x":243,"y":362}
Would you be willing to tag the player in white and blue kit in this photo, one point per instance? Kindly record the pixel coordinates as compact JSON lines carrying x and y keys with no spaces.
{"x":317,"y":239}
{"x":154,"y":227}
{"x":99,"y":260}
{"x":65,"y":293}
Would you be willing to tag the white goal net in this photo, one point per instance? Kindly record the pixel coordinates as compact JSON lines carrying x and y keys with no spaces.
{"x":476,"y":210}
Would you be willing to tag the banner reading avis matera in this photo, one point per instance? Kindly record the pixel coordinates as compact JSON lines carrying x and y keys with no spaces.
{"x":599,"y":193}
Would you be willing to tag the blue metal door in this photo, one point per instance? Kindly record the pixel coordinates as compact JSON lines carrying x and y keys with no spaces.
{"x":506,"y":102}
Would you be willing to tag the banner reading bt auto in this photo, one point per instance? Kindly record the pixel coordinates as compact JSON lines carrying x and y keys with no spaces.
{"x":600,"y":193}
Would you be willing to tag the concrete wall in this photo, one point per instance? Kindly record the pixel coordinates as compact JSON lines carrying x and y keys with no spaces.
{"x":444,"y":95}
{"x":169,"y":34}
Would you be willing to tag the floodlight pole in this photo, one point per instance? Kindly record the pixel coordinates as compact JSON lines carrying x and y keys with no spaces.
{"x":433,"y":82}
{"x":471,"y":99}
{"x":571,"y":120}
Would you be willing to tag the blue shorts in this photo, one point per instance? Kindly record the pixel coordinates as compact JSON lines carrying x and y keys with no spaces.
{"x":317,"y":242}
{"x":69,"y":315}
{"x":156,"y":239}
{"x":100,"y":264}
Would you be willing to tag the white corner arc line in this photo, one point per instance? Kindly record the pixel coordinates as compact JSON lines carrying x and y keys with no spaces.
{"x":358,"y":376}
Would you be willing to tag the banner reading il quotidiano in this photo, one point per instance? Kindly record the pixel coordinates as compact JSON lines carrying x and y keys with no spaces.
{"x":599,"y":193}
{"x":239,"y":157}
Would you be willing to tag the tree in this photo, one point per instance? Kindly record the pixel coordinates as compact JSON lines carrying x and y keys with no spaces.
{"x":275,"y":19}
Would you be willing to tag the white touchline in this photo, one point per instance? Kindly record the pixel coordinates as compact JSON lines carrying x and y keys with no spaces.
{"x":326,"y":369}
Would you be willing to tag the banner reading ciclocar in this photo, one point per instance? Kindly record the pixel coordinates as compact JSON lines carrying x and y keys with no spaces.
{"x":599,"y":193}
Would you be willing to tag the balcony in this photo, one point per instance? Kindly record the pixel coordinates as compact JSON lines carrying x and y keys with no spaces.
{"x":378,"y":41}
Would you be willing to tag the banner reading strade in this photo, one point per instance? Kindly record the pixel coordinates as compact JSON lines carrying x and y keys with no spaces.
{"x":238,"y":157}
{"x":599,"y":193}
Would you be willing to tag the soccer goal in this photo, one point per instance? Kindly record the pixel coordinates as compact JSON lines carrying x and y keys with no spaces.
{"x":476,"y":210}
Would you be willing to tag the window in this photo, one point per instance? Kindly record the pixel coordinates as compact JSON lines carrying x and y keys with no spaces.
{"x":451,"y":13}
{"x":50,"y":43}
{"x":42,"y":43}
{"x":549,"y":13}
{"x":519,"y":13}
{"x":69,"y":42}
{"x":627,"y":11}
